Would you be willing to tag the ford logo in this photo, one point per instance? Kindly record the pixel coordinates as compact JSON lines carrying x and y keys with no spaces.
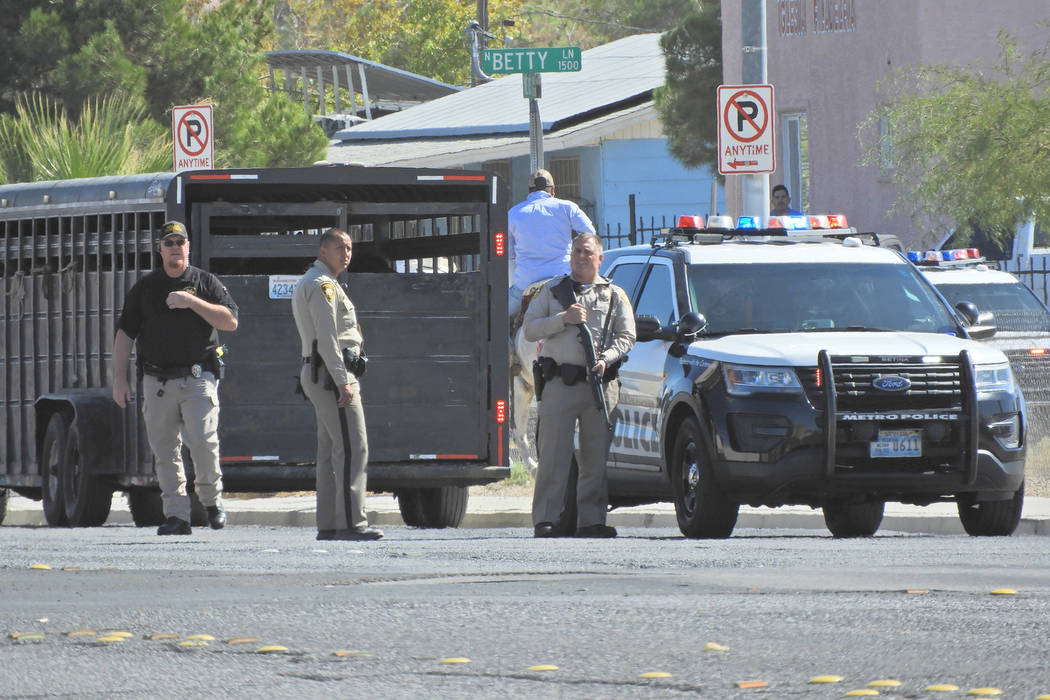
{"x":891,"y":383}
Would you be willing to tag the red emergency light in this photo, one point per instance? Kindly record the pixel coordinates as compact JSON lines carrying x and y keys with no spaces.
{"x":690,"y":221}
{"x":500,"y":243}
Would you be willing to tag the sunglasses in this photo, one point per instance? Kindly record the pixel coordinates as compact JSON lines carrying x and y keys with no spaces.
{"x":171,"y":242}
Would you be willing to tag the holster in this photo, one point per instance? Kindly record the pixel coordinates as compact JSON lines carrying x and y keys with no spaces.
{"x":543,"y":370}
{"x":355,"y":364}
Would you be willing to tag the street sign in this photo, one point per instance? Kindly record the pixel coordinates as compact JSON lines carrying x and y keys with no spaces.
{"x":745,"y":129}
{"x":192,"y":133}
{"x":564,"y":59}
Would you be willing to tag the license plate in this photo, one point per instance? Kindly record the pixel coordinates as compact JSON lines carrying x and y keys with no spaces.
{"x":897,"y":443}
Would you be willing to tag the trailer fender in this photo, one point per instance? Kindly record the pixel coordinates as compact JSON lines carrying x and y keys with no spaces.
{"x":99,"y":422}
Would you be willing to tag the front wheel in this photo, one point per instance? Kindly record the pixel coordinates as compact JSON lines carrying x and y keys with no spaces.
{"x":86,"y":497}
{"x":439,"y":507}
{"x":854,"y":519}
{"x":703,"y":510}
{"x":991,"y":518}
{"x":51,"y":487}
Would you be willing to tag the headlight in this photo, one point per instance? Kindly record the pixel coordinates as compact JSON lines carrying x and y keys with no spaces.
{"x":744,"y":380}
{"x":996,"y":377}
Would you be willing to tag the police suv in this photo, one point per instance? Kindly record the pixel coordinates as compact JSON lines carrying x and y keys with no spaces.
{"x":1021,"y":320}
{"x":783,"y":366}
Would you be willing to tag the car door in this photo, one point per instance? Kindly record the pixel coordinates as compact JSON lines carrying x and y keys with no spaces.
{"x":636,"y":440}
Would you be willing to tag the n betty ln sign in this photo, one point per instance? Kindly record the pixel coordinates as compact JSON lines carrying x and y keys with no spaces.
{"x":745,"y":129}
{"x":565,"y":59}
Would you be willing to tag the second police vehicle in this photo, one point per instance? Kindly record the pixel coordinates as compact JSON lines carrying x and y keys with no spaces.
{"x":809,"y":367}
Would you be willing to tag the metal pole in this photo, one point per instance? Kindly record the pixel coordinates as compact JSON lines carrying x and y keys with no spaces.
{"x":754,"y":187}
{"x":535,"y":136}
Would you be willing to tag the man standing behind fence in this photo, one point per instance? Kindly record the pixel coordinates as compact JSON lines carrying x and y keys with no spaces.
{"x":541,"y":231}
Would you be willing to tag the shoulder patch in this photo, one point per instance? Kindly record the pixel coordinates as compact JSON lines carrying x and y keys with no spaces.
{"x":328,"y":289}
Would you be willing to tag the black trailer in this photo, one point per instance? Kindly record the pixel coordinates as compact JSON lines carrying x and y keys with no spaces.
{"x":428,"y":277}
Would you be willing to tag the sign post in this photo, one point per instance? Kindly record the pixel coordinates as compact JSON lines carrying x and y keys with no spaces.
{"x":745,"y":129}
{"x":192,"y":134}
{"x":530,"y":63}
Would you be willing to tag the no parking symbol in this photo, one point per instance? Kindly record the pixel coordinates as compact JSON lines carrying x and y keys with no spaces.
{"x":745,"y":129}
{"x":191,"y":127}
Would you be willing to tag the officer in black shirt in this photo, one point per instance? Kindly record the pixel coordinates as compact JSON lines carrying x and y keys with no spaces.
{"x":173,"y":314}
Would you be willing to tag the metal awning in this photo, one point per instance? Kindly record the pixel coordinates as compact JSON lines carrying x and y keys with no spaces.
{"x":316,"y":71}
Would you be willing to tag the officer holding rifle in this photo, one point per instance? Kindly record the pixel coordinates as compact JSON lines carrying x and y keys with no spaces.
{"x":570,"y":387}
{"x":332,"y":362}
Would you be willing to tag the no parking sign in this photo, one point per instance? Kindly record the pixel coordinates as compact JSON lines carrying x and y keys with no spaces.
{"x":745,"y":129}
{"x":191,"y":130}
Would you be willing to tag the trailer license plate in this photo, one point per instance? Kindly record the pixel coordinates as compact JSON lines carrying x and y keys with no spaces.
{"x":897,"y":443}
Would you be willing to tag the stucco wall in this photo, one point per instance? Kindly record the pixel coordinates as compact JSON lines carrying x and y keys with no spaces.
{"x":833,"y":78}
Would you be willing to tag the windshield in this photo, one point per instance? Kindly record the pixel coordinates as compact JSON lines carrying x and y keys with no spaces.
{"x":1014,"y":306}
{"x":815,"y":297}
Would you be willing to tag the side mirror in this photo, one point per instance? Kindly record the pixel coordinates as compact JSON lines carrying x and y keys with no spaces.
{"x":968,"y":310}
{"x":691,"y":324}
{"x":649,"y":328}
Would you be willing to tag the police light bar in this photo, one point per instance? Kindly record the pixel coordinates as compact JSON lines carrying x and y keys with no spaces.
{"x":690,"y":221}
{"x":791,"y":223}
{"x":748,"y":222}
{"x":724,"y":223}
{"x":951,"y":255}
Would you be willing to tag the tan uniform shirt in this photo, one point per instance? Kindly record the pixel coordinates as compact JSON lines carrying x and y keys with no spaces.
{"x":323,"y":312}
{"x":561,"y":342}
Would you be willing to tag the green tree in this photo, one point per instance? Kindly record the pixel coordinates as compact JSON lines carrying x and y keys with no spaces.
{"x":110,"y":136}
{"x":687,"y":102}
{"x":967,"y":144}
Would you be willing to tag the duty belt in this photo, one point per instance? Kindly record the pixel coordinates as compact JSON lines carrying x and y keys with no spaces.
{"x":194,"y":370}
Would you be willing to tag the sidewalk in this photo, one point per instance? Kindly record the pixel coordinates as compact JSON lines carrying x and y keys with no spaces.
{"x":494,"y":511}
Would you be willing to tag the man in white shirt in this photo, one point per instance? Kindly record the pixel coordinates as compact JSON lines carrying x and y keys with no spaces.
{"x":541,"y":232}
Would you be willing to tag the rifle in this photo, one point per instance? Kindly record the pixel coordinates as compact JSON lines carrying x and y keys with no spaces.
{"x":594,"y":379}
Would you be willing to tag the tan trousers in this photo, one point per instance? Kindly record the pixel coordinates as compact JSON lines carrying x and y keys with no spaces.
{"x":178,"y":411}
{"x":559,"y":411}
{"x":342,"y":456}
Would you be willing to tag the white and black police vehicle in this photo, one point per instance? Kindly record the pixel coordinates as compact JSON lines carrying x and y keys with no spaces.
{"x":806,"y":363}
{"x":1021,"y":319}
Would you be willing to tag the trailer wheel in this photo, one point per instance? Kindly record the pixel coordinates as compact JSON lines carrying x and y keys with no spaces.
{"x":4,"y":495}
{"x":991,"y":518}
{"x":853,"y":519}
{"x":87,"y":497}
{"x":439,"y":507}
{"x":147,"y":509}
{"x":51,"y":470}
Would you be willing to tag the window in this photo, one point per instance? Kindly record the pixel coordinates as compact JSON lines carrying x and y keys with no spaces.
{"x":566,"y":174}
{"x":657,"y":298}
{"x":626,"y":277}
{"x":796,"y":158}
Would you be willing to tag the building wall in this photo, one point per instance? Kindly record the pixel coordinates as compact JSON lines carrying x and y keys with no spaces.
{"x":833,"y":77}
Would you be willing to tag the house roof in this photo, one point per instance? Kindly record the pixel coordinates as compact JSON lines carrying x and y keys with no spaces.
{"x":614,"y":76}
{"x":383,"y":81}
{"x":451,"y":151}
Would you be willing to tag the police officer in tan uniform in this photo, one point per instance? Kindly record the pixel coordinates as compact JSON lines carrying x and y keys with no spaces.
{"x":332,"y":360}
{"x":173,"y":314}
{"x":567,"y":396}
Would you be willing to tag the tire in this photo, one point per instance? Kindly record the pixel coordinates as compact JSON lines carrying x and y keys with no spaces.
{"x":853,"y":519}
{"x":991,"y":518}
{"x":702,"y":508}
{"x":4,"y":495}
{"x":438,"y":508}
{"x":86,"y":497}
{"x":51,"y":470}
{"x":147,"y":508}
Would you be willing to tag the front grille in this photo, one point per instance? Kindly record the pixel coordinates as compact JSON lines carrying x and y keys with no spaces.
{"x":932,"y":385}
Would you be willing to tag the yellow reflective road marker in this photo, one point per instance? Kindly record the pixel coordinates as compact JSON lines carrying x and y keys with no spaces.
{"x":750,"y":684}
{"x":942,"y":688}
{"x":273,"y":648}
{"x":1045,"y":696}
{"x":242,"y":640}
{"x":40,"y":567}
{"x":202,"y":637}
{"x":1004,"y":591}
{"x":543,"y":667}
{"x":825,"y":679}
{"x":655,"y":674}
{"x":984,"y":691}
{"x":917,"y":591}
{"x":114,"y":633}
{"x":108,"y":638}
{"x":455,"y":660}
{"x":193,"y":643}
{"x":346,"y":653}
{"x":886,"y":683}
{"x":26,"y":636}
{"x":81,"y":633}
{"x":861,"y":692}
{"x":160,"y":636}
{"x":715,"y":646}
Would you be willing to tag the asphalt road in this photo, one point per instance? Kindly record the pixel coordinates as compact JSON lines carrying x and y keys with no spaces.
{"x":380,"y":619}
